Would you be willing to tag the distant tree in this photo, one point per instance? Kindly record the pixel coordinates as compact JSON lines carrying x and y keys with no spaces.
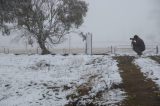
{"x":48,"y":21}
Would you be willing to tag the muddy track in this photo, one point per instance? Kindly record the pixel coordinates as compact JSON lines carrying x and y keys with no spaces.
{"x":140,"y":90}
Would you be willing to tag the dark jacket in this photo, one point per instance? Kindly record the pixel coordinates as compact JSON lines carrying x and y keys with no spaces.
{"x":138,"y":43}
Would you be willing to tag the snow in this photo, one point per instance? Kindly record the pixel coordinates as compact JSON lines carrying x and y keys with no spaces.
{"x":150,"y":68}
{"x":37,"y":80}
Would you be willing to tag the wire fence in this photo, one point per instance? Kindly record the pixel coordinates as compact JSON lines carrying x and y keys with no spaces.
{"x":119,"y":49}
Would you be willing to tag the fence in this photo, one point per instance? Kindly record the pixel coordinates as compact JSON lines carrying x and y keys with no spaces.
{"x":126,"y":49}
{"x":119,"y":49}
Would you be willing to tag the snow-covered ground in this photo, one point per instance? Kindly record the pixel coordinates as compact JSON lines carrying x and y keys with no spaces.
{"x":150,"y":68}
{"x":53,"y":80}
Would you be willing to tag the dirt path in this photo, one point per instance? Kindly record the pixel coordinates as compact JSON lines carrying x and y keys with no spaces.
{"x":140,"y":91}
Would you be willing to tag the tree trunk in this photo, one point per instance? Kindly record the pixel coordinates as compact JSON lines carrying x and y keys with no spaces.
{"x":43,"y":47}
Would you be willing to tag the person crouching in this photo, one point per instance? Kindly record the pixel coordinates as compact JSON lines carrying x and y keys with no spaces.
{"x":137,"y":45}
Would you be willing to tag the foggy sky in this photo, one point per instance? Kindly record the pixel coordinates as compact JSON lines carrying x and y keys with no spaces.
{"x":115,"y":21}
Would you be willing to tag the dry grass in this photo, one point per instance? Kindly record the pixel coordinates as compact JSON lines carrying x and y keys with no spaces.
{"x":82,"y":90}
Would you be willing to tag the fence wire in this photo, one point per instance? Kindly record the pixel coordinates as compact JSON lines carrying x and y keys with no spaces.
{"x":119,"y":49}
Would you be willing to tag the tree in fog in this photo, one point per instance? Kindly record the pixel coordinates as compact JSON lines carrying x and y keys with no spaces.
{"x":48,"y":21}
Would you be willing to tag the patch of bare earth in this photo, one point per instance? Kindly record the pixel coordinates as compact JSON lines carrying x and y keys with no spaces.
{"x":85,"y":89}
{"x":82,"y":90}
{"x":140,"y":90}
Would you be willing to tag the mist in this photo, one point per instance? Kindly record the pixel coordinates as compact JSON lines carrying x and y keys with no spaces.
{"x":115,"y":21}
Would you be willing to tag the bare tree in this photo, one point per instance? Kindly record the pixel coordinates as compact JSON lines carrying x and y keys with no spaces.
{"x":48,"y":21}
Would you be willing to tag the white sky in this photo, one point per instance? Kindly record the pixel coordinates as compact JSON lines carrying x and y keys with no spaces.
{"x":115,"y":21}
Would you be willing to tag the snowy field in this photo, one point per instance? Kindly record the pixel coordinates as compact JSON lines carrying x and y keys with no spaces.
{"x":53,"y":80}
{"x":150,"y":68}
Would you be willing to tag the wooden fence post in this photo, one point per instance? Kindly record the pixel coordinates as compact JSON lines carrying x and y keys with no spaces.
{"x":114,"y":50}
{"x":111,"y":49}
{"x":4,"y":50}
{"x":37,"y":50}
{"x":157,"y":51}
{"x":8,"y":51}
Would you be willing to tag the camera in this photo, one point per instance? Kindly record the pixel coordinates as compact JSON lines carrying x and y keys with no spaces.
{"x":131,"y":38}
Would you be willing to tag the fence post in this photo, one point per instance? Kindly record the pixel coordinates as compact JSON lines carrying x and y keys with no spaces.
{"x":64,"y":51}
{"x":37,"y":50}
{"x":114,"y":50}
{"x":111,"y":49}
{"x":8,"y":51}
{"x":157,"y":49}
{"x":4,"y":50}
